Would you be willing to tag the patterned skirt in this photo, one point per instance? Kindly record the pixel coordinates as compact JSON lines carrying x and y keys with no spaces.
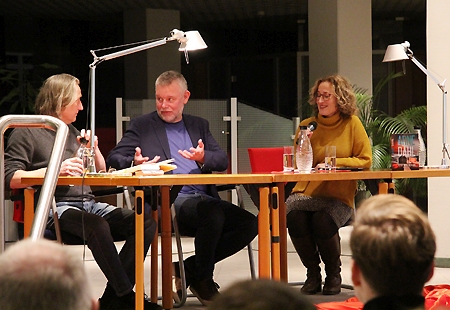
{"x":339,"y":211}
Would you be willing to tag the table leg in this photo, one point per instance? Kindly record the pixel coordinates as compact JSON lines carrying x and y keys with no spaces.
{"x":382,"y":188}
{"x":275,"y":237}
{"x":154,"y":261}
{"x":28,"y":216}
{"x":139,"y":234}
{"x":283,"y":233}
{"x":391,"y":187}
{"x":166,"y":248}
{"x":264,"y":234}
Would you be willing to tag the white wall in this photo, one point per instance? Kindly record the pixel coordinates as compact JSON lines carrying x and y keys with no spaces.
{"x":438,"y":47}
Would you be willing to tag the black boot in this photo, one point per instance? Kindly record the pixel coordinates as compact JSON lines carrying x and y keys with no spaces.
{"x":330,"y":251}
{"x":307,"y":250}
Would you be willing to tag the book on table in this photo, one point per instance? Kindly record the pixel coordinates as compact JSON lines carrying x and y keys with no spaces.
{"x":405,"y":151}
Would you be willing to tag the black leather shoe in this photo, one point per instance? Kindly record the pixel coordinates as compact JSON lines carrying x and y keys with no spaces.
{"x":110,"y":301}
{"x":204,"y":290}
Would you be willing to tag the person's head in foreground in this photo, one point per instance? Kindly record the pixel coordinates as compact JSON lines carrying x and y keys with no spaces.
{"x":261,"y":295}
{"x":43,"y":274}
{"x":393,"y":248}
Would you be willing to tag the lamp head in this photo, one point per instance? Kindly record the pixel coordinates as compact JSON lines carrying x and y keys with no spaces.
{"x":189,"y":40}
{"x":397,"y":52}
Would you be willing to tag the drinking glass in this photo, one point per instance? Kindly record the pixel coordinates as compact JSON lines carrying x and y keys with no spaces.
{"x":288,"y":159}
{"x":330,"y":157}
{"x":88,"y":160}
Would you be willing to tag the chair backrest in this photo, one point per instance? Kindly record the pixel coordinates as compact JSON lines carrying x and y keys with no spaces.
{"x":266,"y":159}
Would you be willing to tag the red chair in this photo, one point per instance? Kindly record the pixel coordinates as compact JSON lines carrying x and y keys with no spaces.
{"x":266,"y":159}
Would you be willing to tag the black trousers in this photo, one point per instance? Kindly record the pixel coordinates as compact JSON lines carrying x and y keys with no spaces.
{"x":99,"y":234}
{"x":220,"y":229}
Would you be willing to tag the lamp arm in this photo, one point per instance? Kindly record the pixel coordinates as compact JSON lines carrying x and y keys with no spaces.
{"x":100,"y":59}
{"x":424,"y":70}
{"x":445,"y":153}
{"x":128,"y":51}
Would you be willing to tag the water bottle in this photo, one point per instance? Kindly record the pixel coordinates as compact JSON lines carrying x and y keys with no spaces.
{"x":422,"y":148}
{"x":80,"y":151}
{"x":85,"y":153}
{"x":304,"y":154}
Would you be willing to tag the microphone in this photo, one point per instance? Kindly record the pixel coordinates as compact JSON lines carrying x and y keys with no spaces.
{"x":312,"y":126}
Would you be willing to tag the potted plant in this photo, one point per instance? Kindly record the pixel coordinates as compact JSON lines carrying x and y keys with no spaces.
{"x":21,"y":88}
{"x":380,"y":126}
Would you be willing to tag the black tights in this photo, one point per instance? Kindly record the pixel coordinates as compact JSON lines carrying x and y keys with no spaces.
{"x":317,"y":223}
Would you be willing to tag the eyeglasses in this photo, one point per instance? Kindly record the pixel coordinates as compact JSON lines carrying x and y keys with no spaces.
{"x":325,"y":97}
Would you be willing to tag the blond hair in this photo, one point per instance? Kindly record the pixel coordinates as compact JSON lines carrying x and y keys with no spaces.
{"x":393,"y":245}
{"x":57,"y":92}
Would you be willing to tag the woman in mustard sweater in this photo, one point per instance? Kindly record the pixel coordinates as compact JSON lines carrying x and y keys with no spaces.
{"x":316,"y":210}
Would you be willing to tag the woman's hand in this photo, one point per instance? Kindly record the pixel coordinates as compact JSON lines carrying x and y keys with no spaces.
{"x":320,"y":166}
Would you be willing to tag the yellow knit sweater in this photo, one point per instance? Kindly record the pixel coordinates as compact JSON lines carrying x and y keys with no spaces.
{"x":352,"y":150}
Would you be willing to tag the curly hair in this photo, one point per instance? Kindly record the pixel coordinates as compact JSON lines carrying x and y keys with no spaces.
{"x":342,"y":90}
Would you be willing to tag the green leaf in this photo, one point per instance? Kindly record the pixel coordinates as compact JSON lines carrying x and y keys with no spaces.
{"x":380,"y":126}
{"x":381,"y":156}
{"x":22,"y":92}
{"x":12,"y":94}
{"x":14,"y":106}
{"x":47,"y":65}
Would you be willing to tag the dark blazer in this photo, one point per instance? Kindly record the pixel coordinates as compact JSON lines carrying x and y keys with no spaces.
{"x":148,"y":132}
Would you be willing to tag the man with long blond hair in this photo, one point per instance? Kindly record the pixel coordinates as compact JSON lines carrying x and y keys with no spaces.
{"x":96,"y":224}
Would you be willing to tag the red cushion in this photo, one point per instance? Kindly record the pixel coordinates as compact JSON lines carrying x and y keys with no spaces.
{"x":437,"y":297}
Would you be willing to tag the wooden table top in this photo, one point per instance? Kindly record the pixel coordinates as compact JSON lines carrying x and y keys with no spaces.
{"x":241,"y":178}
{"x":421,"y":173}
{"x":156,"y":180}
{"x":332,"y":176}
